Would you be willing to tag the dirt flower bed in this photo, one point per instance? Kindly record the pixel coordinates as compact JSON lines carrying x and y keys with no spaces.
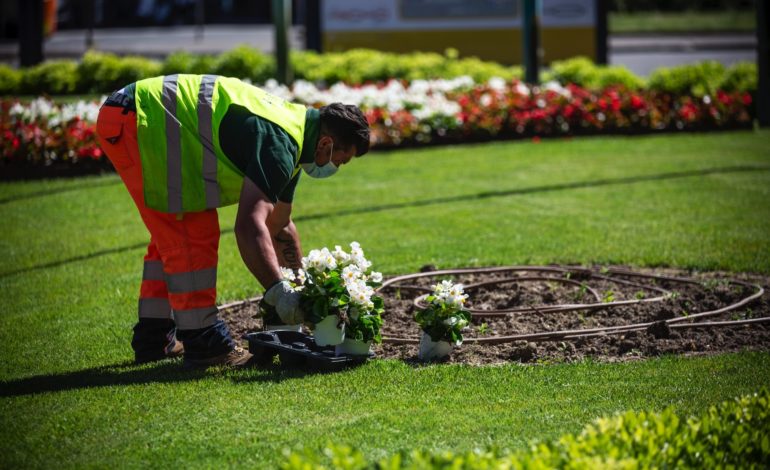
{"x":546,"y":300}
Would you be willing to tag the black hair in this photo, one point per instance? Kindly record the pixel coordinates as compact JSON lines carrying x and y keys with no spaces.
{"x":346,"y":124}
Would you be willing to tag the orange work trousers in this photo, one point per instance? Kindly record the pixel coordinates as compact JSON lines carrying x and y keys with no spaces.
{"x":180,"y":267}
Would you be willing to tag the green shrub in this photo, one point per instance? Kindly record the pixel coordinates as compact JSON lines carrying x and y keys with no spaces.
{"x":184,"y":62}
{"x":55,"y":77}
{"x":358,"y":66}
{"x":103,"y":72}
{"x":245,"y":62}
{"x":695,"y":79}
{"x":742,"y":76}
{"x":734,"y":434}
{"x":583,"y":72}
{"x":10,"y":79}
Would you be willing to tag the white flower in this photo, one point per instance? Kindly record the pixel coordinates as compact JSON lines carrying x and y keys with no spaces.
{"x":340,"y":255}
{"x":375,"y":276}
{"x":449,"y":294}
{"x":287,"y":274}
{"x":351,"y":274}
{"x":496,"y":83}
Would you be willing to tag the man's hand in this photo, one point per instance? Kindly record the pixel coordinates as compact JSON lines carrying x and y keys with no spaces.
{"x":286,"y":303}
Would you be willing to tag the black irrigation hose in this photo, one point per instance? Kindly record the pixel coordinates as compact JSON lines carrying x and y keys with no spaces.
{"x":583,"y":274}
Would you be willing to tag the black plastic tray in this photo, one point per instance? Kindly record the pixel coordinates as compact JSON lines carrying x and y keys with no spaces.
{"x":296,"y":349}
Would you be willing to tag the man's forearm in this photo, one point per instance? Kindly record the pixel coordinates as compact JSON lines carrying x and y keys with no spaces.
{"x":258,"y":254}
{"x":287,"y":247}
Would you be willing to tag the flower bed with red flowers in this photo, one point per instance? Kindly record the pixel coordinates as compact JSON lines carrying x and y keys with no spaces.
{"x":517,"y":111}
{"x":43,"y":139}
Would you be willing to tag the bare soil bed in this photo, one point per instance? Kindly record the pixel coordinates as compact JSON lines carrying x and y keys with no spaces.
{"x":666,"y":322}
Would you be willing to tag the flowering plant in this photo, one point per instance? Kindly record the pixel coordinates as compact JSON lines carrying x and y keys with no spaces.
{"x":340,"y":283}
{"x":444,"y":318}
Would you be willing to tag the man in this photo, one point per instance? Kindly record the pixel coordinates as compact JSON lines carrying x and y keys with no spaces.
{"x":185,"y":145}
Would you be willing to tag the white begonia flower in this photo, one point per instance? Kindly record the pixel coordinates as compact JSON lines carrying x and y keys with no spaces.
{"x":496,"y":83}
{"x":301,"y":277}
{"x":376,"y":276}
{"x":555,"y":86}
{"x":287,"y":274}
{"x":351,"y":273}
{"x":340,"y":255}
{"x":522,"y":88}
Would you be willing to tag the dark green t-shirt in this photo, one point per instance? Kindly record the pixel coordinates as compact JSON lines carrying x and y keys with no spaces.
{"x":264,"y":151}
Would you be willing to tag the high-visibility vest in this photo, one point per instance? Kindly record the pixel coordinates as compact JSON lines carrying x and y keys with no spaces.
{"x":183,"y":166}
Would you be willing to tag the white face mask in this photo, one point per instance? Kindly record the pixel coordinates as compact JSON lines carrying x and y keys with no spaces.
{"x":323,"y":171}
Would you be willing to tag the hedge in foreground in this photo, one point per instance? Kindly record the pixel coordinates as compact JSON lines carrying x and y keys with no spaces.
{"x":734,"y":434}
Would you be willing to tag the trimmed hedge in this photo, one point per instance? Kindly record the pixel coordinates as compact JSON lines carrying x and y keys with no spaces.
{"x":735,"y":434}
{"x":99,"y":72}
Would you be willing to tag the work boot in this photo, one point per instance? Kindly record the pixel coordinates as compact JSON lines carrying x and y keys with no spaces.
{"x":238,"y":357}
{"x":155,"y":340}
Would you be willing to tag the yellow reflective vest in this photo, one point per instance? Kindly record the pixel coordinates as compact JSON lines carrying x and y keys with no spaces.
{"x":183,"y":166}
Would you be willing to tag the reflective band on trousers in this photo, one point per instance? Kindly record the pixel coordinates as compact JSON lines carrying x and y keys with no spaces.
{"x":154,"y":308}
{"x":174,"y":143}
{"x":181,"y":283}
{"x":196,"y":318}
{"x":153,"y":271}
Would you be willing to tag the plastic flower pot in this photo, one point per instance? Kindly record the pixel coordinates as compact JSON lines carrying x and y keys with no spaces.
{"x":327,"y":333}
{"x":297,"y":328}
{"x":431,"y":350}
{"x":353,"y":347}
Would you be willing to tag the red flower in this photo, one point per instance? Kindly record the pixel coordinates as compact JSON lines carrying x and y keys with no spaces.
{"x":746,"y":99}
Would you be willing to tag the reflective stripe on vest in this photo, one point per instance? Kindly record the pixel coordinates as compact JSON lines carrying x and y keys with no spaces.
{"x":183,"y":166}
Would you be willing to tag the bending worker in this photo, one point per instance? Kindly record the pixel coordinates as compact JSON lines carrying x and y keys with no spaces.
{"x":185,"y":145}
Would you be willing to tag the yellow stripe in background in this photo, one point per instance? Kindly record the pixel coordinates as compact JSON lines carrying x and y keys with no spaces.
{"x":499,"y":45}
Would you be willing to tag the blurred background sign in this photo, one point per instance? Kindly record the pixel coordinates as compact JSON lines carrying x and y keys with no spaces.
{"x":488,"y":29}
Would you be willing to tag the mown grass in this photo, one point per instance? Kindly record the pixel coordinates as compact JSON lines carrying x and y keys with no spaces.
{"x":683,"y":22}
{"x":72,"y":252}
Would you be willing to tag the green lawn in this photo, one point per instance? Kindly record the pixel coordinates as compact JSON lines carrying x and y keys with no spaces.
{"x":683,"y":22}
{"x":72,"y":252}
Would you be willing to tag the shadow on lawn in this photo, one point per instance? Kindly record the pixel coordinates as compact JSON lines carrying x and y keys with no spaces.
{"x":129,"y":374}
{"x":66,"y":189}
{"x":440,"y":200}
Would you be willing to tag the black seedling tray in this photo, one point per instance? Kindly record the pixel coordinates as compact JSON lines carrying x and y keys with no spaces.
{"x":296,"y":349}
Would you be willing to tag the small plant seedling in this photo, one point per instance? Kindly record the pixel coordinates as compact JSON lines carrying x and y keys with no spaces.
{"x":685,"y":313}
{"x":398,"y":294}
{"x":639,"y":295}
{"x":582,"y":291}
{"x":673,"y":295}
{"x":483,"y":329}
{"x":609,"y":297}
{"x":552,"y":286}
{"x":604,"y":270}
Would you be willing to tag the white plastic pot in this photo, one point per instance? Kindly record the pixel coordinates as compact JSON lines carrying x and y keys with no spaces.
{"x":430,"y":349}
{"x":327,"y":333}
{"x":353,"y":347}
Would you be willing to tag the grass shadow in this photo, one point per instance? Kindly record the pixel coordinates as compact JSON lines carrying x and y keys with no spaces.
{"x":127,"y":373}
{"x":49,"y":192}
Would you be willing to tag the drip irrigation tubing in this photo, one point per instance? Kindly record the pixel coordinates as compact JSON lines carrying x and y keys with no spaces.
{"x":576,"y":275}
